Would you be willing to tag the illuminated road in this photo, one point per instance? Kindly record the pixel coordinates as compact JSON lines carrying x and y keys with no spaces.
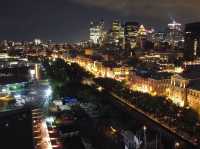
{"x":41,"y":133}
{"x":42,"y":92}
{"x":46,"y":142}
{"x":36,"y":95}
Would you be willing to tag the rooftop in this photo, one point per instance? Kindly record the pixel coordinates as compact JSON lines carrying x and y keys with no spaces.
{"x":191,"y":75}
{"x":194,"y":84}
{"x":153,"y":74}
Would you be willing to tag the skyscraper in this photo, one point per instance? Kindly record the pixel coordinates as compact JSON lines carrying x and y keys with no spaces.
{"x":142,"y":35}
{"x":192,"y":41}
{"x":174,"y":34}
{"x":131,"y":32}
{"x":117,"y":33}
{"x":97,"y":33}
{"x":37,"y":42}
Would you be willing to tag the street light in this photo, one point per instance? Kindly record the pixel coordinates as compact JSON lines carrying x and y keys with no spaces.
{"x":113,"y":130}
{"x":145,"y":128}
{"x":100,"y":88}
{"x":50,"y":120}
{"x":145,"y":138}
{"x":177,"y":145}
{"x":48,"y":92}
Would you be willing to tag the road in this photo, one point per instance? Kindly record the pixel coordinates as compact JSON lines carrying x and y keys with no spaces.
{"x":46,"y":142}
{"x":36,"y":94}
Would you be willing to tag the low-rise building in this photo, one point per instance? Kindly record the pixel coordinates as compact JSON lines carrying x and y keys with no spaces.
{"x":182,"y":89}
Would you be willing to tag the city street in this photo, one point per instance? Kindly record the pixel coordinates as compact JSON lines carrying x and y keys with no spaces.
{"x":35,"y":94}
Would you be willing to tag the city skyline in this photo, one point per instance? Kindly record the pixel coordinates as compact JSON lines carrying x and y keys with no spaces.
{"x":76,"y":73}
{"x":60,"y":21}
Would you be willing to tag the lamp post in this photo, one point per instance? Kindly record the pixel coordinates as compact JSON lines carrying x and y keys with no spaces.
{"x":177,"y":145}
{"x":145,"y":138}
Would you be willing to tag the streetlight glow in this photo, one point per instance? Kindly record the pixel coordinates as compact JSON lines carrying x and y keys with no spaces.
{"x":48,"y":92}
{"x":145,"y":128}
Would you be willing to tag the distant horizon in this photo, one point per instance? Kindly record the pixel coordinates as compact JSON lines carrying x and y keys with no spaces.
{"x":68,"y":20}
{"x":107,"y":27}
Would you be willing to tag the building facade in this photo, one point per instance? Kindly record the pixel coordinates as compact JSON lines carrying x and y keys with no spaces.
{"x":180,"y":90}
{"x":97,"y":32}
{"x":117,"y":34}
{"x":174,"y":34}
{"x":131,"y":33}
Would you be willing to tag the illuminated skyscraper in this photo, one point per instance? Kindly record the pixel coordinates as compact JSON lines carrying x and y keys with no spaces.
{"x":37,"y":42}
{"x":174,"y":35}
{"x":117,"y":33}
{"x":142,"y":31}
{"x":97,"y":32}
{"x":175,"y":26}
{"x":192,"y":41}
{"x":142,"y":35}
{"x":131,"y":33}
{"x":116,"y":25}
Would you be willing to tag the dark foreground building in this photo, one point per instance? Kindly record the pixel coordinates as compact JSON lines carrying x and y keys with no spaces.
{"x":16,"y":129}
{"x":192,"y":41}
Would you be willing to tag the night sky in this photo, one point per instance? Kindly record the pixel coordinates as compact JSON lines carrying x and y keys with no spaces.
{"x":68,"y":20}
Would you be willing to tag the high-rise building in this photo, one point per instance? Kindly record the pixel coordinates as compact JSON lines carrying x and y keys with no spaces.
{"x":131,"y":33}
{"x":117,"y":34}
{"x":175,"y":26}
{"x":37,"y":42}
{"x":97,"y":33}
{"x":116,"y":25}
{"x":174,"y":34}
{"x":157,"y":38}
{"x":5,"y":43}
{"x":142,"y":35}
{"x":192,"y":41}
{"x":142,"y":31}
